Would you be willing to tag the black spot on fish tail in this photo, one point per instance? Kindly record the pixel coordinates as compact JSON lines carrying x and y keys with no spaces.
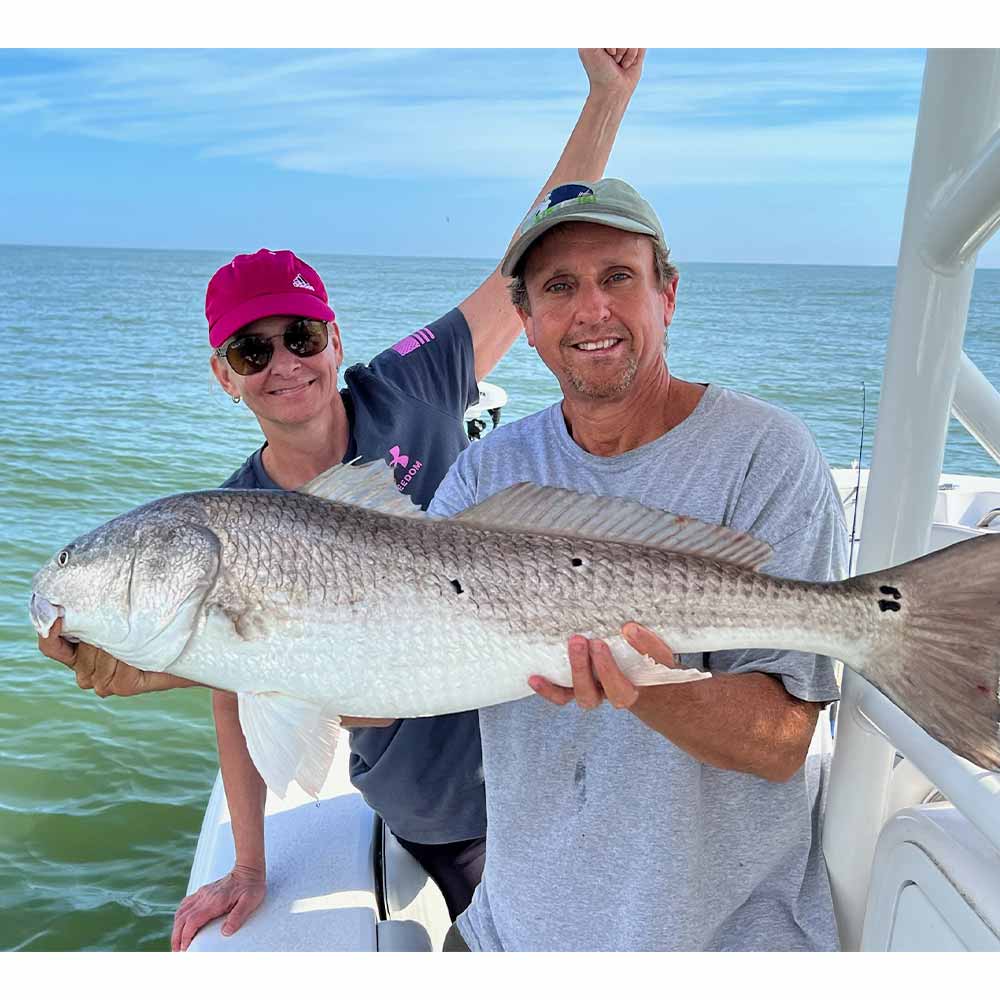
{"x":577,"y":562}
{"x":891,"y":592}
{"x":457,"y":587}
{"x":888,"y":605}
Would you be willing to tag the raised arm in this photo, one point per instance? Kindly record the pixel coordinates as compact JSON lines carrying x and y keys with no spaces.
{"x":613,"y":78}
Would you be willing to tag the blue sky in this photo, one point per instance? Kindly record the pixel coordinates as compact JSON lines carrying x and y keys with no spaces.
{"x":748,"y":155}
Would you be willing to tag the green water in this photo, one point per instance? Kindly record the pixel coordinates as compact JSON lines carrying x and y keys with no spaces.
{"x":108,"y":402}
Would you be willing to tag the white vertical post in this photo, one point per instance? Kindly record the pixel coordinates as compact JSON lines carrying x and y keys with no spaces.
{"x":959,"y":109}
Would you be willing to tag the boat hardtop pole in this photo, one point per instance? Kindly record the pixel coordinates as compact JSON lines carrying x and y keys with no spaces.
{"x":959,"y":113}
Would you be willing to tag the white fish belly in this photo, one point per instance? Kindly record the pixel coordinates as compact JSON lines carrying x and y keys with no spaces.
{"x":809,"y":640}
{"x":403,"y":662}
{"x":376,"y":662}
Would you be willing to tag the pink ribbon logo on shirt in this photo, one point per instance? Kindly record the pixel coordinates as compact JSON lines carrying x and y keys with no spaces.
{"x":402,"y":461}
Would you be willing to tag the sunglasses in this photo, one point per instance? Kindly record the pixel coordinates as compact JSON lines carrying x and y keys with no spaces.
{"x":250,"y":354}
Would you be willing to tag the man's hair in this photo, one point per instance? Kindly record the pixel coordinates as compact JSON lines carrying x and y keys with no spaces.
{"x":665,"y":273}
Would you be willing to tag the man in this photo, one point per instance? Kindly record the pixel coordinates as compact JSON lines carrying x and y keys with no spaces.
{"x":678,"y":816}
{"x":277,"y":347}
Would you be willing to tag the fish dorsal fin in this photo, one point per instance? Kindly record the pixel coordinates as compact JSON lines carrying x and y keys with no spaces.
{"x":552,"y":510}
{"x":371,"y":485}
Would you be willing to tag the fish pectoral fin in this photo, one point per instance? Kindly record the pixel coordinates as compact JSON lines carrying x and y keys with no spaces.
{"x":644,"y":671}
{"x":288,"y":739}
{"x":253,"y":626}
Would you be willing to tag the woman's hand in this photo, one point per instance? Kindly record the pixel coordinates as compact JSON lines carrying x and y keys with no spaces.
{"x":239,"y":893}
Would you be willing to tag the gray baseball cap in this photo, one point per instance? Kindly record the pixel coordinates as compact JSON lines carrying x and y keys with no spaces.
{"x":609,"y":202}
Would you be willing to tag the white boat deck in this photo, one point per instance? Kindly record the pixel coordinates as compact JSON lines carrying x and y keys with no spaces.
{"x":337,"y":880}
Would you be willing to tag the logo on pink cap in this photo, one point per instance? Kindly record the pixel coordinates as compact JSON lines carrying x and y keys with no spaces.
{"x":266,"y":283}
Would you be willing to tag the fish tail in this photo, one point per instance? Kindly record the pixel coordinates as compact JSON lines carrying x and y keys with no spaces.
{"x":939,"y":661}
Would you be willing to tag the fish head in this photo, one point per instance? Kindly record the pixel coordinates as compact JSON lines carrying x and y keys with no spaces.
{"x":133,"y":586}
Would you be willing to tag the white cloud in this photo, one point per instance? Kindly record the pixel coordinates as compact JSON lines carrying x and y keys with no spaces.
{"x":727,"y":117}
{"x":23,"y":106}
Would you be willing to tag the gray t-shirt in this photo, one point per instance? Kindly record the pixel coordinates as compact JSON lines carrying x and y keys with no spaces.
{"x":602,"y":833}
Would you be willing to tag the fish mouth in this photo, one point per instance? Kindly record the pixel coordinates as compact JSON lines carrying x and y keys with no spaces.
{"x":44,"y":614}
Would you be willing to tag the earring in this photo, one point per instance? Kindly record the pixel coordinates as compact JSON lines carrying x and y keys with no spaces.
{"x":236,"y":399}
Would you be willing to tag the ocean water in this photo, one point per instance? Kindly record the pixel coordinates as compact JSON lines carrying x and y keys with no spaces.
{"x":108,"y":401}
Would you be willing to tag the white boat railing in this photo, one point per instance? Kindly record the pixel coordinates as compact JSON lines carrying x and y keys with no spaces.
{"x":952,"y":207}
{"x":965,"y":212}
{"x":977,"y":406}
{"x":972,"y":790}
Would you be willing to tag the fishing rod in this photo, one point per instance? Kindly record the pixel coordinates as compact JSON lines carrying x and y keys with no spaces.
{"x":857,"y":489}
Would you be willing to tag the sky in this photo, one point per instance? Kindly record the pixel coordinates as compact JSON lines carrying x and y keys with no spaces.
{"x":748,"y":155}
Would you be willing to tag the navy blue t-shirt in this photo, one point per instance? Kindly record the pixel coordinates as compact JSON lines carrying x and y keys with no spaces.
{"x":423,"y":776}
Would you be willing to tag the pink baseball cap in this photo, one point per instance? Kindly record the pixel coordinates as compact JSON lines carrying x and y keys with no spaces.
{"x":266,"y":283}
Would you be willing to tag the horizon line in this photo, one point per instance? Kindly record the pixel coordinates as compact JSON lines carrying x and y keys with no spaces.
{"x":334,"y":253}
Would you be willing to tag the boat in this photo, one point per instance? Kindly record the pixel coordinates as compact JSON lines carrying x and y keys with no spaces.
{"x":911,"y":832}
{"x":491,"y":399}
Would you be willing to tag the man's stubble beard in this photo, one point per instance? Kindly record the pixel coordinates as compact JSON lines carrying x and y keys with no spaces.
{"x":607,"y":388}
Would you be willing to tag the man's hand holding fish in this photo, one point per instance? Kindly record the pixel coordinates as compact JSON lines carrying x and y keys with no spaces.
{"x":774,"y":729}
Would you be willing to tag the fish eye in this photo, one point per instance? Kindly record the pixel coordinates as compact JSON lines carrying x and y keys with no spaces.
{"x":63,"y":557}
